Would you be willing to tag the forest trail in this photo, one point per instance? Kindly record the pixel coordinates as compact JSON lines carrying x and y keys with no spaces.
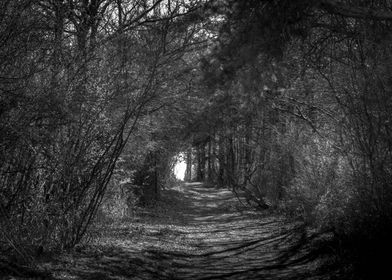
{"x":207,"y":234}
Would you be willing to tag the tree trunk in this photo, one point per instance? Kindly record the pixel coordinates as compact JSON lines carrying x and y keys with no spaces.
{"x":188,"y":171}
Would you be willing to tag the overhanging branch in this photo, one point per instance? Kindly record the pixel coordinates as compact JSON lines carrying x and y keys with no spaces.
{"x":339,"y":8}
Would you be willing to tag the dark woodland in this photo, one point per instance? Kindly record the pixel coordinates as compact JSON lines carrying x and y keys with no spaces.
{"x":278,"y":111}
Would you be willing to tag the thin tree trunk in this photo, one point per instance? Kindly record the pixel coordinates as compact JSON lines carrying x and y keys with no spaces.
{"x":188,"y":171}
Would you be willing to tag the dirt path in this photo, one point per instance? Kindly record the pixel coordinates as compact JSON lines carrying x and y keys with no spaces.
{"x":206,"y":234}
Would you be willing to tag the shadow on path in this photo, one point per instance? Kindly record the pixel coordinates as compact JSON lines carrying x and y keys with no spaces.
{"x":206,"y":235}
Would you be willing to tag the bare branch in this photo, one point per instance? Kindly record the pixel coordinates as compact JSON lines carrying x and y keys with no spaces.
{"x":339,"y":8}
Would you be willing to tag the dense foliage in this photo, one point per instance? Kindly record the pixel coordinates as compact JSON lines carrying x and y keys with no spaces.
{"x":78,"y":79}
{"x":300,"y":117}
{"x":287,"y":103}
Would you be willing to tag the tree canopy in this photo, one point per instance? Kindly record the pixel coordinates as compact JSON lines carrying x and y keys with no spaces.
{"x":285,"y":102}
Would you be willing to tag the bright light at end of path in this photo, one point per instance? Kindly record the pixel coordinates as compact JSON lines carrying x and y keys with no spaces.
{"x":179,"y":169}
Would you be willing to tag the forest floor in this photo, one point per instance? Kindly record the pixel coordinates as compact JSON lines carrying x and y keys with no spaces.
{"x":196,"y":232}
